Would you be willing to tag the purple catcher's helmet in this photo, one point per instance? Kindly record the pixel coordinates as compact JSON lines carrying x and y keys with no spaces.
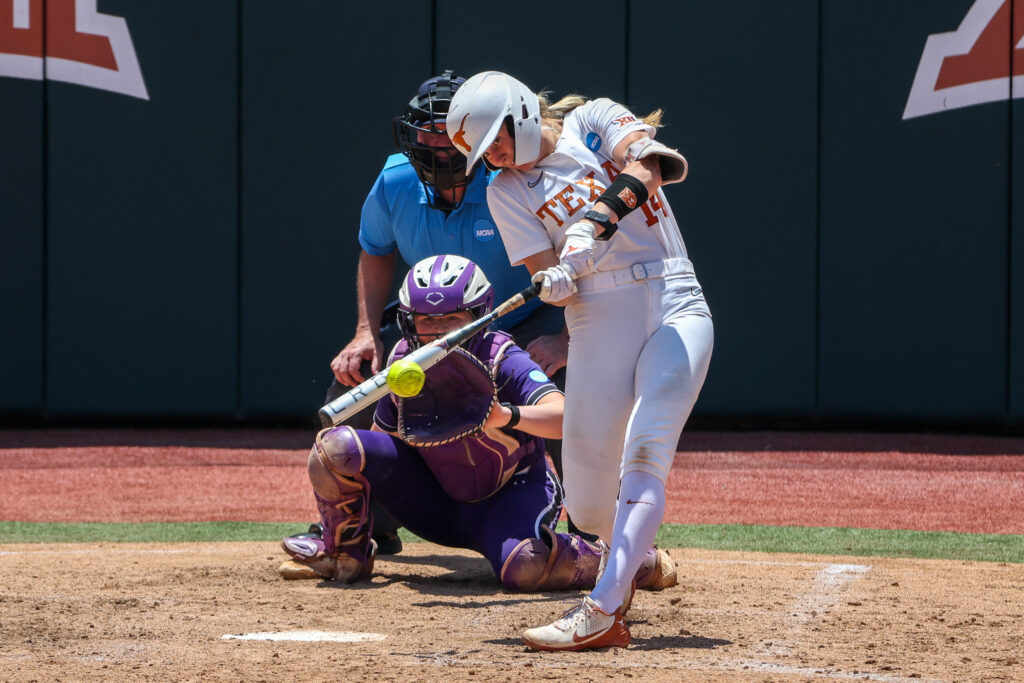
{"x":439,"y":285}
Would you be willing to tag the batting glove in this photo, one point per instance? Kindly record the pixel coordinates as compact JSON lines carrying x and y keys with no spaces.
{"x":578,"y":251}
{"x":556,"y":283}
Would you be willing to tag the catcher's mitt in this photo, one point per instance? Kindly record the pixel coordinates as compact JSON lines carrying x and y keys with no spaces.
{"x":457,"y":397}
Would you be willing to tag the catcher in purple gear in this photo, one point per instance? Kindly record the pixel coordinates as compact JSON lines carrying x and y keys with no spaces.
{"x":461,"y":464}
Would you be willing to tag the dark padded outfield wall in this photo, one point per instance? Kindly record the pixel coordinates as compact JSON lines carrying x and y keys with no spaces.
{"x":1017,"y":231}
{"x":740,"y":101}
{"x":183,"y":192}
{"x":320,"y":85}
{"x":142,"y":208}
{"x":913,"y":227}
{"x":21,"y":223}
{"x":531,"y":41}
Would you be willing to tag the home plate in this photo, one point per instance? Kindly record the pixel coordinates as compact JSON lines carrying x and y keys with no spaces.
{"x":310,"y":636}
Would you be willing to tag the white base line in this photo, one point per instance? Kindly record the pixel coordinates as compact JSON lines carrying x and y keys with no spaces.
{"x":47,"y":548}
{"x":310,"y":636}
{"x":825,"y":589}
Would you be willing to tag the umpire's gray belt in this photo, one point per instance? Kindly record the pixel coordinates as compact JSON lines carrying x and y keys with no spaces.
{"x":638,"y":272}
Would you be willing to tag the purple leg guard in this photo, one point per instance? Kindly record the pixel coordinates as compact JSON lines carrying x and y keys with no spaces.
{"x":569,"y":562}
{"x":342,"y":495}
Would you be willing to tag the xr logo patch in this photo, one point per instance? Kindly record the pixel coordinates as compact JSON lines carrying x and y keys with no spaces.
{"x":982,"y":61}
{"x":82,"y":46}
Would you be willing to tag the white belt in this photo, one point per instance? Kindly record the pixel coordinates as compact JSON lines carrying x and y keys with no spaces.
{"x":638,"y":272}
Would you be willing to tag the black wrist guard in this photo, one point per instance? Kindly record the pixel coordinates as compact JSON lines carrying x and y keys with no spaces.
{"x":601,"y":219}
{"x":624,"y":194}
{"x":514,"y":420}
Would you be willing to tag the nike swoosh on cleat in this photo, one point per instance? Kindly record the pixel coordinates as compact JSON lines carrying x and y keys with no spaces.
{"x":578,"y":640}
{"x":633,"y":502}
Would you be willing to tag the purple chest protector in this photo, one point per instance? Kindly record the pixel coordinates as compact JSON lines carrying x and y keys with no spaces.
{"x":444,"y":421}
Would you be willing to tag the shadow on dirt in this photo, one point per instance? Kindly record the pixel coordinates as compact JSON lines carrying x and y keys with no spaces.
{"x":455,"y":563}
{"x":672,"y":642}
{"x":644,"y":644}
{"x":468,"y":577}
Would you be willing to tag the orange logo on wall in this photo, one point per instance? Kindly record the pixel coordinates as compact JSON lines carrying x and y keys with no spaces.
{"x":82,"y":46}
{"x":982,"y":61}
{"x":460,"y":136}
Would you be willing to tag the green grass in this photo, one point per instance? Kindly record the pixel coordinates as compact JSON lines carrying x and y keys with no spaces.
{"x":845,"y":541}
{"x":749,"y":538}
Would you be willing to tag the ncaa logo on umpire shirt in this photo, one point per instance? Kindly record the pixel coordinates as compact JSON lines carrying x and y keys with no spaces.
{"x":81,"y":46}
{"x":981,"y":61}
{"x":483,"y":231}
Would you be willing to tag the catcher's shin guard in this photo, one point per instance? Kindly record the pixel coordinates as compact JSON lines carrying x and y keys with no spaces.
{"x":346,"y":552}
{"x":560,"y":562}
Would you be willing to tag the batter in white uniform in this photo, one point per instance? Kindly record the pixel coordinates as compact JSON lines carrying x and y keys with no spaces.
{"x":578,"y":201}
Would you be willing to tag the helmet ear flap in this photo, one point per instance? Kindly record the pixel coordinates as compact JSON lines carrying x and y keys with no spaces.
{"x":527,"y":141}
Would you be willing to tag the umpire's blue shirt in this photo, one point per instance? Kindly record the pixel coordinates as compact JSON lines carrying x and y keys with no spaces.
{"x":397,"y":214}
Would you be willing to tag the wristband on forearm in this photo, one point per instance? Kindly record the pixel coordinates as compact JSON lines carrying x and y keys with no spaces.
{"x":624,"y":194}
{"x":514,"y":420}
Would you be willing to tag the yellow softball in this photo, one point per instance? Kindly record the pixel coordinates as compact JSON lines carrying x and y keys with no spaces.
{"x":405,"y":378}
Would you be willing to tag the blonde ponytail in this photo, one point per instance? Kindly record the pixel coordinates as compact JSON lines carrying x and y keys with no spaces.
{"x":653,"y":119}
{"x":560,"y":109}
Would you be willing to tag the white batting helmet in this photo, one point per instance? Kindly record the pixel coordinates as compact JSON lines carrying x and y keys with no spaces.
{"x":483,"y":104}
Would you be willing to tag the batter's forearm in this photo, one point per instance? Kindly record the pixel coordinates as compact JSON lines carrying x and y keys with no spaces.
{"x":647,"y":171}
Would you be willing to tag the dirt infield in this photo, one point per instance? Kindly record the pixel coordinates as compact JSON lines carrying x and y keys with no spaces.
{"x":152,"y":612}
{"x":199,"y":612}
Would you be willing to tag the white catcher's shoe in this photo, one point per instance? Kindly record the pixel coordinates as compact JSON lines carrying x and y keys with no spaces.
{"x":583,"y":627}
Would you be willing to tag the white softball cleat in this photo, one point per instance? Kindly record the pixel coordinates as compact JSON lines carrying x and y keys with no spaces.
{"x":584,"y":627}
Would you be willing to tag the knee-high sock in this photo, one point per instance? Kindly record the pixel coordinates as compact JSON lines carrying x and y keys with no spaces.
{"x":640,"y":509}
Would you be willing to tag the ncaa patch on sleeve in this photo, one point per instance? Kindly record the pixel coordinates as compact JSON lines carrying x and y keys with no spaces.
{"x":538,"y":376}
{"x":593,"y":141}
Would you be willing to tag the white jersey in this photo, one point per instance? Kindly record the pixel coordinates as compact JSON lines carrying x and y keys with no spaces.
{"x":533,"y":209}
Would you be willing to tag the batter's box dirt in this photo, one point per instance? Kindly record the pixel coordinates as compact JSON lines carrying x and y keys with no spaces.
{"x":219,"y":612}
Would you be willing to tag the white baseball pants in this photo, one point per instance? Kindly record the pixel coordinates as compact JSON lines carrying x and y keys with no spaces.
{"x":638,"y":355}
